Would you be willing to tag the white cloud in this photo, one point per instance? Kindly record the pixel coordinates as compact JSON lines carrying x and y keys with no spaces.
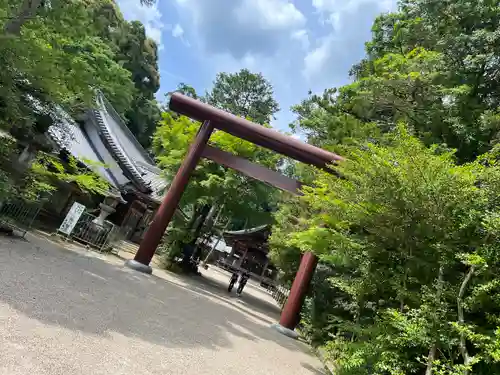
{"x":303,"y":37}
{"x":270,"y":14}
{"x":324,"y":5}
{"x":337,"y":11}
{"x":335,"y":6}
{"x":241,"y":27}
{"x":316,"y":60}
{"x":291,"y":49}
{"x":149,"y":16}
{"x":334,"y":19}
{"x":267,"y":36}
{"x":350,"y":21}
{"x":177,"y":31}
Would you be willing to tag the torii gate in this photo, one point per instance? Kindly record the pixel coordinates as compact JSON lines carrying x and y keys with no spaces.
{"x":213,"y":118}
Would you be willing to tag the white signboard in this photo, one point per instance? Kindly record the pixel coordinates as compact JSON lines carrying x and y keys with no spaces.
{"x":71,"y":218}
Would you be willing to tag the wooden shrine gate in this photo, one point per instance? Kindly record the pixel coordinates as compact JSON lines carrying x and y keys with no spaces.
{"x":212,"y":119}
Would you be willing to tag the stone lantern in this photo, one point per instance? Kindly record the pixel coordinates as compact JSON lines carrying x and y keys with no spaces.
{"x":108,"y":206}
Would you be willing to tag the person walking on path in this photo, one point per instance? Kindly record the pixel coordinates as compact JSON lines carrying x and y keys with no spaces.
{"x":243,"y":281}
{"x":232,"y":281}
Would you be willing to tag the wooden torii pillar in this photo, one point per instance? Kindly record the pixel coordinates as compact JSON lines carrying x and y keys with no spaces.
{"x":213,"y":118}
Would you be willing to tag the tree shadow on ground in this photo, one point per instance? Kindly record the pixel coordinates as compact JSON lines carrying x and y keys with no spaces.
{"x":218,"y":289}
{"x":82,"y":292}
{"x":314,"y":371}
{"x":247,"y":303}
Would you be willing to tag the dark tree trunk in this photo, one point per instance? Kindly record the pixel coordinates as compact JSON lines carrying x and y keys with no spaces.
{"x":190,"y":249}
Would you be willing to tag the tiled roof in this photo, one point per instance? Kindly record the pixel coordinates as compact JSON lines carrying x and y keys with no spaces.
{"x":247,"y":231}
{"x":219,"y":243}
{"x":68,"y":136}
{"x":115,"y":144}
{"x":130,"y":154}
{"x":155,"y":179}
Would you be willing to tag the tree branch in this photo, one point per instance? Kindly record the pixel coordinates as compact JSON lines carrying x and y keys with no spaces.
{"x":432,"y":351}
{"x":430,"y":359}
{"x":461,"y":320}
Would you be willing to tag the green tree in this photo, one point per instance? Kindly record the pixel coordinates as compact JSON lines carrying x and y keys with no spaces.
{"x":187,"y":90}
{"x":143,"y":117}
{"x":67,"y":51}
{"x":232,"y":194}
{"x":45,"y":173}
{"x":139,"y":55}
{"x":410,"y":241}
{"x":49,"y":171}
{"x":212,"y":183}
{"x":431,"y":65}
{"x":22,"y":11}
{"x":216,"y":190}
{"x":57,"y":61}
{"x":244,"y":94}
{"x":407,"y":239}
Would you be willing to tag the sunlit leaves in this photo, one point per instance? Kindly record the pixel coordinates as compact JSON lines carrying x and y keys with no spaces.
{"x":211,"y":183}
{"x":402,"y":216}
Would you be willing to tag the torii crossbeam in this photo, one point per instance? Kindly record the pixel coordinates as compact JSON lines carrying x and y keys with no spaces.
{"x":213,"y":118}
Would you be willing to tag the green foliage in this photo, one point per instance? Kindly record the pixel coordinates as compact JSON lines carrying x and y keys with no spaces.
{"x":61,"y":53}
{"x":176,"y":235}
{"x":244,"y":94}
{"x":7,"y":187}
{"x":288,"y":219}
{"x":45,"y":174}
{"x":57,"y":59}
{"x":230,"y":196}
{"x":212,"y":184}
{"x":143,"y":117}
{"x":237,"y":198}
{"x":187,"y":90}
{"x":431,"y":65}
{"x":139,"y":55}
{"x":48,"y":171}
{"x":409,"y":240}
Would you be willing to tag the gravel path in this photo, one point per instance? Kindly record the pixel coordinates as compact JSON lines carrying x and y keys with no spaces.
{"x":75,"y":312}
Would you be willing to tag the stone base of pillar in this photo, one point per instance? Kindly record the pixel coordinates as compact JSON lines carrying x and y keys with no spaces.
{"x":135,"y":265}
{"x":285,"y":331}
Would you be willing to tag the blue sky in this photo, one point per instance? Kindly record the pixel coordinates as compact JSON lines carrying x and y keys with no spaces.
{"x":298,"y":45}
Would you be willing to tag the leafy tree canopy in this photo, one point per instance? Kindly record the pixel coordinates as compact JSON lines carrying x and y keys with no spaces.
{"x":407,"y":240}
{"x":58,"y":53}
{"x":410,"y":238}
{"x":244,"y":94}
{"x":211,"y":183}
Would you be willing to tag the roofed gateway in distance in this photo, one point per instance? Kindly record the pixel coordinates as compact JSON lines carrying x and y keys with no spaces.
{"x":247,"y":250}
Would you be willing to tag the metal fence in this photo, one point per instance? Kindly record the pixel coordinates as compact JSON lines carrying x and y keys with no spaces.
{"x":92,"y":234}
{"x":19,"y":215}
{"x":280,"y":295}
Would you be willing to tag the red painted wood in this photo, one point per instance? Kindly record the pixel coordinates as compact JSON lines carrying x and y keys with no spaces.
{"x":259,"y":135}
{"x":157,"y":228}
{"x":252,"y":132}
{"x":252,"y":170}
{"x":290,"y":314}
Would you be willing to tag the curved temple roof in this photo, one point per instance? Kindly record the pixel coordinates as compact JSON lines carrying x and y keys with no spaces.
{"x":108,"y":131}
{"x":113,"y":135}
